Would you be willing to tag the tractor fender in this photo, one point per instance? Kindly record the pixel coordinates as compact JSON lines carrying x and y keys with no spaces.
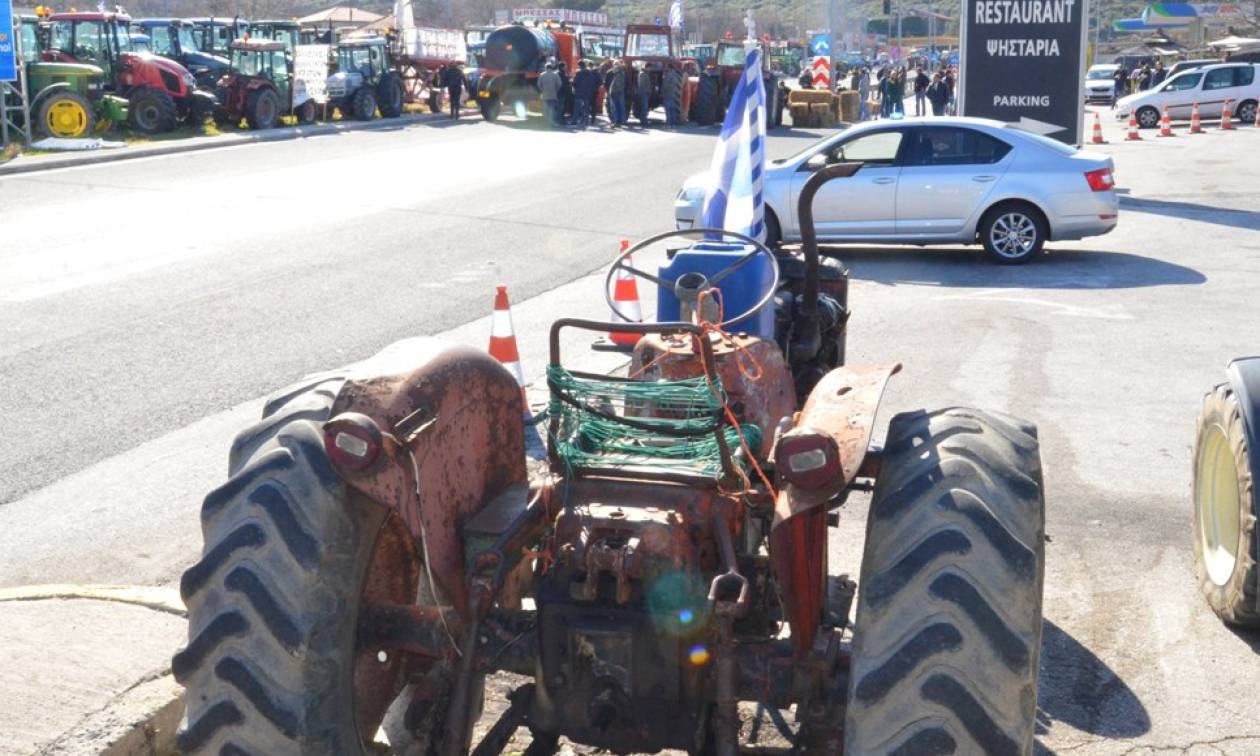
{"x":1244,"y":379}
{"x":46,"y":91}
{"x":451,"y":422}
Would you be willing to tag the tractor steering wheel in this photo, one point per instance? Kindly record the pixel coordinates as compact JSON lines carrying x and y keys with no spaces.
{"x":688,"y":287}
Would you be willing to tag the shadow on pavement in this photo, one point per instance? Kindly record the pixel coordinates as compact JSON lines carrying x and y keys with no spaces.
{"x":1057,"y":269}
{"x":1250,"y":636}
{"x":1081,"y":691}
{"x":1220,"y":216}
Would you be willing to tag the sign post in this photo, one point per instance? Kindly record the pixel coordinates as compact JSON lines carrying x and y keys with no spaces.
{"x":1023,"y":62}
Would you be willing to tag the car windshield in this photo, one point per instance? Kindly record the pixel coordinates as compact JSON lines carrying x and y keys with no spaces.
{"x":1101,"y":73}
{"x":648,"y":45}
{"x":1045,"y":141}
{"x":730,"y":55}
{"x":187,"y":42}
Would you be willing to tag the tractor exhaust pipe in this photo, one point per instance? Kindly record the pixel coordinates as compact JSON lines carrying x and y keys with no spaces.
{"x":808,"y":339}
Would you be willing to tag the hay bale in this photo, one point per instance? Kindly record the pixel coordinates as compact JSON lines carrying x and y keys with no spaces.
{"x":800,"y":115}
{"x":809,"y":96}
{"x":821,"y":114}
{"x":850,"y":106}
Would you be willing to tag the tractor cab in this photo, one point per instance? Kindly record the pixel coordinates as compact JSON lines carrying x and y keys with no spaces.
{"x":287,"y":32}
{"x":174,"y":38}
{"x":215,"y":35}
{"x":261,"y":58}
{"x":67,"y":99}
{"x":260,"y":87}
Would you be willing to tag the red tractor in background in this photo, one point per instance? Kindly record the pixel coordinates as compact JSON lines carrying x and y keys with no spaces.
{"x":260,"y":88}
{"x":514,"y":58}
{"x":718,"y":84}
{"x":161,"y":93}
{"x":652,"y":47}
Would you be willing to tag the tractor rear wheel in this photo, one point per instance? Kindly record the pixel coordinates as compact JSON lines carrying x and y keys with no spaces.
{"x":389,"y":93}
{"x":704,"y":107}
{"x":291,"y":557}
{"x":489,"y":108}
{"x":364,"y":104}
{"x":65,"y":115}
{"x":151,"y":111}
{"x":262,"y":109}
{"x":947,"y":640}
{"x":1226,"y":544}
{"x":307,"y":111}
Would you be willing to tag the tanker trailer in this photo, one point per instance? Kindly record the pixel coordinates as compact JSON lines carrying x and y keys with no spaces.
{"x":514,"y":58}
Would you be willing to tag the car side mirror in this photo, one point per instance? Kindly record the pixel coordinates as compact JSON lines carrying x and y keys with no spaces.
{"x":817,"y":162}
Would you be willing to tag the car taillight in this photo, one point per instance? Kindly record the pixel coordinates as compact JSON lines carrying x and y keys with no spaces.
{"x":353,"y":441}
{"x":1100,"y":180}
{"x":808,"y":460}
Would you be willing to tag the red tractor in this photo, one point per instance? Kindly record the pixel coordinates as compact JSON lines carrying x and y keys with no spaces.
{"x":381,"y":545}
{"x":161,"y":93}
{"x":260,"y":88}
{"x":650,"y":47}
{"x":718,"y":84}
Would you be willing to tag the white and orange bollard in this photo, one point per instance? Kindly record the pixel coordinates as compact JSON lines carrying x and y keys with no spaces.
{"x":1133,"y":135}
{"x":503,"y":338}
{"x":1227,"y":118}
{"x":1098,"y":135}
{"x":1165,"y":125}
{"x":627,"y":308}
{"x":1196,"y":124}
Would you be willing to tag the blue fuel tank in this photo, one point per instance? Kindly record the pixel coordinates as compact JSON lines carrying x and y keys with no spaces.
{"x":740,"y":290}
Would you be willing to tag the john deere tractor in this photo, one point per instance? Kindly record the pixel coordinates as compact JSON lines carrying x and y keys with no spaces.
{"x":365,"y":80}
{"x":67,"y":99}
{"x":381,"y":545}
{"x":260,"y":88}
{"x":160,"y":92}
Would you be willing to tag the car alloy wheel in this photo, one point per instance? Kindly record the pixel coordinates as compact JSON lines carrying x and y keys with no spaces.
{"x":1013,"y":235}
{"x":1247,"y":112}
{"x":1148,"y":118}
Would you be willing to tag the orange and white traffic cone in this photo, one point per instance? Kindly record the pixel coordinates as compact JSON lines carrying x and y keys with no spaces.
{"x":1165,"y":125}
{"x":503,"y":338}
{"x":1196,"y":125}
{"x":1098,"y":135}
{"x":1133,"y":135}
{"x":1227,"y":118}
{"x":626,"y":298}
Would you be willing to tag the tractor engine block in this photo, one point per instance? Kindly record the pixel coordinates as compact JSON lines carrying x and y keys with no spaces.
{"x":624,"y":632}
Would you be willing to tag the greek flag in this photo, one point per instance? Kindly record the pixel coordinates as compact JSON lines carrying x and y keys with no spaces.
{"x":676,"y":15}
{"x":735,"y":201}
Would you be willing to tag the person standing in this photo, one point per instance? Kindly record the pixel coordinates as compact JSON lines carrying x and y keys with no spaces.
{"x":921,"y":82}
{"x":617,"y":94}
{"x":899,"y":92}
{"x":566,"y":93}
{"x":643,"y":91}
{"x":1158,"y":75}
{"x":453,"y":80}
{"x":807,"y":79}
{"x":881,"y":92}
{"x":1120,"y":87}
{"x":671,"y":94}
{"x":436,"y":81}
{"x":863,"y":87}
{"x":549,"y":86}
{"x":937,"y":94}
{"x":951,"y":80}
{"x":585,"y":86}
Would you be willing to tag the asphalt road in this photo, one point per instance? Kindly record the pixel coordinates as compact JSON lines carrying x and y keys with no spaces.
{"x":145,"y":306}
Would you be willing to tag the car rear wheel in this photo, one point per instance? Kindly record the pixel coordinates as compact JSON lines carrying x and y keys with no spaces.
{"x":1246,"y":112}
{"x":1013,"y":234}
{"x":1148,"y":117}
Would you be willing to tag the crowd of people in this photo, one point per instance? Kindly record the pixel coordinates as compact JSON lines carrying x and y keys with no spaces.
{"x":887,"y":88}
{"x":1141,"y":78}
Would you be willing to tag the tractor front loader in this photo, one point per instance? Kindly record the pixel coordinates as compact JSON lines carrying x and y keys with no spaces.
{"x":381,"y":547}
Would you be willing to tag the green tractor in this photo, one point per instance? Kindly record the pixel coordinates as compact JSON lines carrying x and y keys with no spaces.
{"x":67,"y":99}
{"x":365,"y":80}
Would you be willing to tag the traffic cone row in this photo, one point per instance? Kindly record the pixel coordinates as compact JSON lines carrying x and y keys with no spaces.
{"x":1165,"y":125}
{"x":626,"y":298}
{"x":1196,"y":125}
{"x":1098,"y":135}
{"x":503,"y":338}
{"x":1227,"y":122}
{"x":1133,"y":135}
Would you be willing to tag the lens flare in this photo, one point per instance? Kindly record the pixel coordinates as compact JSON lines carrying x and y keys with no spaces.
{"x":686,"y":616}
{"x":699,"y":655}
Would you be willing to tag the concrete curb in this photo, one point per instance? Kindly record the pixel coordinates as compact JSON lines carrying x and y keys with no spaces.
{"x":18,"y":165}
{"x":141,"y":721}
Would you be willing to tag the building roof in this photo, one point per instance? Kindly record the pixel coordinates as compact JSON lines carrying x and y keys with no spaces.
{"x":340,"y":14}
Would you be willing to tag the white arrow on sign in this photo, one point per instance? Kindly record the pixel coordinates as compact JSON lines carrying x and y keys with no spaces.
{"x":1039,"y":127}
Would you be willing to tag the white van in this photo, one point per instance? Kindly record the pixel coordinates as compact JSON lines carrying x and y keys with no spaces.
{"x":1209,"y":86}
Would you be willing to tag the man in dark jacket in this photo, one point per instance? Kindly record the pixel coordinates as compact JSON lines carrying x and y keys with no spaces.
{"x":453,"y":79}
{"x":937,"y":94}
{"x":585,"y":90}
{"x":921,"y":82}
{"x":566,"y":92}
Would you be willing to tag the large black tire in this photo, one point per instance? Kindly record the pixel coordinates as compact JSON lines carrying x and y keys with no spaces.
{"x":1013,"y":233}
{"x":262,"y":109}
{"x":65,"y":115}
{"x":389,"y":94}
{"x":489,"y":109}
{"x":151,"y":111}
{"x":1226,"y":545}
{"x":364,"y":104}
{"x":704,"y":108}
{"x":947,"y":640}
{"x":307,"y":112}
{"x":273,"y":602}
{"x":1246,"y":112}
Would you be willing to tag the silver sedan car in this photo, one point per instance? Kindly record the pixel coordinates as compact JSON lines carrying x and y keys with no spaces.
{"x":938,"y":181}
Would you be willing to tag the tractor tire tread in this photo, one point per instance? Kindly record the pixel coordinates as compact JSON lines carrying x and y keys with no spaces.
{"x":1236,"y":602}
{"x":271,"y":602}
{"x":168,"y":115}
{"x":704,"y":110}
{"x":947,"y":641}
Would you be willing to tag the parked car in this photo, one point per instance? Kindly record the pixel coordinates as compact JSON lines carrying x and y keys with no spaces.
{"x":1100,"y":83}
{"x":1209,"y":86}
{"x":938,"y":181}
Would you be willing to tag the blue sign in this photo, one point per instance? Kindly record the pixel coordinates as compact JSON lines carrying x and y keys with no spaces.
{"x":8,"y":54}
{"x":953,"y":59}
{"x":820,"y":44}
